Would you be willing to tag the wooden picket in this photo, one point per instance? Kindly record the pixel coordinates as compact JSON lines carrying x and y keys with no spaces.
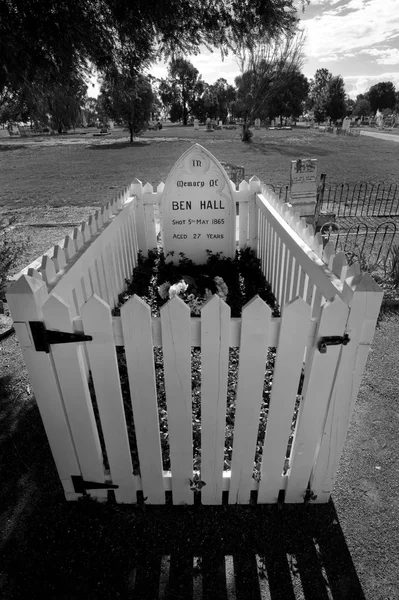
{"x":175,"y":323}
{"x":215,"y":317}
{"x":137,"y":334}
{"x":255,"y":330}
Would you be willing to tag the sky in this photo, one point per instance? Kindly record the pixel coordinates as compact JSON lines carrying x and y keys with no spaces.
{"x":357,"y":39}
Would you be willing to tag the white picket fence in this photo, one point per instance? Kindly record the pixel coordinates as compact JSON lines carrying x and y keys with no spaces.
{"x":73,"y":289}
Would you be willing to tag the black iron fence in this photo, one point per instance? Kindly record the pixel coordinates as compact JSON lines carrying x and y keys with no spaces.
{"x":360,"y":200}
{"x":370,"y":247}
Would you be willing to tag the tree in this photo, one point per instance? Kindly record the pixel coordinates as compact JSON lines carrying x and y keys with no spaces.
{"x":362,"y":108}
{"x":382,"y":95}
{"x":127,"y":96}
{"x":318,"y":94}
{"x":51,"y":38}
{"x":185,"y":81}
{"x":266,"y":69}
{"x":336,"y":104}
{"x":288,"y":101}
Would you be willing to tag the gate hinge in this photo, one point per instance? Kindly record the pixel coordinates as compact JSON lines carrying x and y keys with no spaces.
{"x":332,"y":340}
{"x":80,"y":486}
{"x":43,"y":337}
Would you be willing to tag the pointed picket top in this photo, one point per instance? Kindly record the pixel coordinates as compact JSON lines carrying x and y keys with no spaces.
{"x":173,"y":305}
{"x":136,"y":187}
{"x":99,"y":219}
{"x":255,"y":184}
{"x":47,"y":268}
{"x":77,"y":238}
{"x":26,"y":297}
{"x":244,"y":186}
{"x":69,"y":248}
{"x":215,"y":302}
{"x":86,"y":233}
{"x":147,"y":188}
{"x":57,"y":306}
{"x":340,"y":265}
{"x":328,"y":254}
{"x":353,"y":270}
{"x":160,"y":187}
{"x":104,"y":214}
{"x":59,"y":258}
{"x":92,"y":224}
{"x":257,"y":306}
{"x":135,"y":300}
{"x":366,"y":283}
{"x":35,"y":274}
{"x":119,"y":201}
{"x":233,"y":186}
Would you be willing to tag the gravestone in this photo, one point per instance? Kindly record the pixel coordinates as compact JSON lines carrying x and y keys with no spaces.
{"x":209,"y":126}
{"x":257,"y":123}
{"x":303,"y":186}
{"x":196,"y":124}
{"x":346,"y":124}
{"x":198,"y":208}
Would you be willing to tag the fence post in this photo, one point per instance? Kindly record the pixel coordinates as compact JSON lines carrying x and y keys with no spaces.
{"x":365,"y":297}
{"x":25,"y":299}
{"x":137,"y":190}
{"x":255,"y":186}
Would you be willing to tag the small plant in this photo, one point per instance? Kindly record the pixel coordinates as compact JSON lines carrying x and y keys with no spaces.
{"x":393,"y":271}
{"x":10,"y":251}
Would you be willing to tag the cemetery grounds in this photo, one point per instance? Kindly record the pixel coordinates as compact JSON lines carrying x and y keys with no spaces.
{"x":51,"y":185}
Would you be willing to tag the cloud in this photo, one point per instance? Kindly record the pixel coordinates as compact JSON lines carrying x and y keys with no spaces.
{"x":385,"y":56}
{"x":368,"y":23}
{"x":359,"y":84}
{"x":329,"y":58}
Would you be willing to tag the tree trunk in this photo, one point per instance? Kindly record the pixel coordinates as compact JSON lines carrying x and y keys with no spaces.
{"x":131,"y":131}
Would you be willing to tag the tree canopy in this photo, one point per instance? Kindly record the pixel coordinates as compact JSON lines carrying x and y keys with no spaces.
{"x":382,"y":95}
{"x":52,"y":38}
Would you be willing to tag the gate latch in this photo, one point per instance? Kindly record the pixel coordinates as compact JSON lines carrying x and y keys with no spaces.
{"x":43,"y":337}
{"x":332,"y":340}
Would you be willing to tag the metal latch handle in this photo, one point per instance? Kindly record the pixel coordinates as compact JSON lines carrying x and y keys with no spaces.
{"x":332,"y":340}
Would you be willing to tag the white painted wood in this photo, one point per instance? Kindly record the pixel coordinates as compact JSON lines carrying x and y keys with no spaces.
{"x":175,"y":323}
{"x":309,"y":261}
{"x":365,"y":301}
{"x":128,"y":251}
{"x":71,"y":373}
{"x":243,"y":223}
{"x":48,"y":269}
{"x":293,"y":338}
{"x":69,"y":248}
{"x":77,"y":238}
{"x":215,"y":325}
{"x":92,"y":224}
{"x":340,"y":265}
{"x":97,"y":322}
{"x":317,"y":386}
{"x":328,"y":254}
{"x":140,"y":226}
{"x":85,"y":230}
{"x":254,"y":188}
{"x":137,"y":333}
{"x":149,"y":215}
{"x":25,"y":299}
{"x":252,"y":363}
{"x":301,"y":284}
{"x":285,"y":276}
{"x":290,"y":276}
{"x":59,"y":258}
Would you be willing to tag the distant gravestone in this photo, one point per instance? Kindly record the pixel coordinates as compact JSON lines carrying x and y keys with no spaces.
{"x":303,"y":185}
{"x":257,"y":123}
{"x":196,"y":124}
{"x":198,"y":208}
{"x":346,"y":124}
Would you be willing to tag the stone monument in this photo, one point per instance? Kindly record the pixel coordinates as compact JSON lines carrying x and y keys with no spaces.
{"x":198,"y":209}
{"x":303,"y":186}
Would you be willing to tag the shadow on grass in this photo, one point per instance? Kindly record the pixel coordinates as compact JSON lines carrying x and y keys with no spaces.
{"x":286,"y":149}
{"x":6,"y":147}
{"x":53,"y":549}
{"x":118,"y":145}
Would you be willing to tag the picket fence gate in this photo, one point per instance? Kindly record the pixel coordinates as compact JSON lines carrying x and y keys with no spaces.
{"x":73,"y":288}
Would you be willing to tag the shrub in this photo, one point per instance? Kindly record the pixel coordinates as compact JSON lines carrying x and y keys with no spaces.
{"x":10,"y":251}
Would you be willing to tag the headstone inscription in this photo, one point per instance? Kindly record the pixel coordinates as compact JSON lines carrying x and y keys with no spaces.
{"x":198,"y":208}
{"x":303,"y":186}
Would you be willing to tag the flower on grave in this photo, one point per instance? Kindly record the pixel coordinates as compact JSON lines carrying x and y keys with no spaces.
{"x":163,"y":290}
{"x":221,"y":288}
{"x":177,"y":289}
